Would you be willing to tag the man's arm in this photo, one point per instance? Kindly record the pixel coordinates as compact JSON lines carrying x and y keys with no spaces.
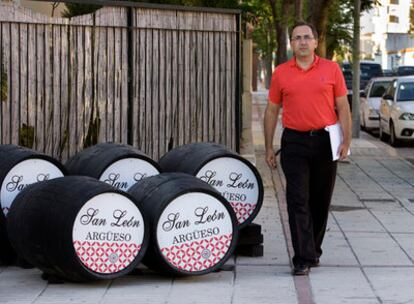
{"x":270,"y":122}
{"x":344,"y":115}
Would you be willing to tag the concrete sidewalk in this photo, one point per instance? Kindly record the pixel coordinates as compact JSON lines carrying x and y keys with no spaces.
{"x":368,"y":250}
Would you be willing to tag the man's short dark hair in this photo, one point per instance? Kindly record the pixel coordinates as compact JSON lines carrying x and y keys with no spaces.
{"x":303,"y":23}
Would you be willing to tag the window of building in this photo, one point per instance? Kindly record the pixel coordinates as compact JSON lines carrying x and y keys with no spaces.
{"x":393,"y":19}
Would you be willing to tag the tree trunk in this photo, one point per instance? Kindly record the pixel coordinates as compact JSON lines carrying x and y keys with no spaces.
{"x":319,"y":18}
{"x":268,"y":70}
{"x":280,"y":20}
{"x":355,"y":70}
{"x":298,"y":10}
{"x":281,"y":52}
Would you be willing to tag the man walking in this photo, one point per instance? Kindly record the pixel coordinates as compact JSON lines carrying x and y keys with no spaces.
{"x":312,"y":92}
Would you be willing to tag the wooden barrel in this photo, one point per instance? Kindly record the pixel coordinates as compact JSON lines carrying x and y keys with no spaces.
{"x":20,"y":167}
{"x":229,"y":173}
{"x":78,"y":228}
{"x":193,"y":228}
{"x":119,"y":165}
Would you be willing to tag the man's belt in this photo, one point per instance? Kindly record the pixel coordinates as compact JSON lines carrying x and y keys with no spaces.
{"x":308,"y":133}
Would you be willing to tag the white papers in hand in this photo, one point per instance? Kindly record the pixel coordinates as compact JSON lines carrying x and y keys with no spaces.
{"x":336,"y":137}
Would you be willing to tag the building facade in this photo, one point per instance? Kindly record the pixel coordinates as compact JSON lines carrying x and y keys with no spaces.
{"x":385,"y":34}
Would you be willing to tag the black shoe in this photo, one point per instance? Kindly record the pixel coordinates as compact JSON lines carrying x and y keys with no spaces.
{"x":315,"y":263}
{"x":301,"y":269}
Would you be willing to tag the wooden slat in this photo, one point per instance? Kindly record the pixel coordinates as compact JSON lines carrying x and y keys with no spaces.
{"x":101,"y":70}
{"x":48,"y":72}
{"x":181,"y":103}
{"x":162,"y":142}
{"x":73,"y":79}
{"x":211,"y":87}
{"x":217,"y":114}
{"x":199,"y":85}
{"x":135,"y":81}
{"x":187,"y":119}
{"x":6,"y":67}
{"x":142,"y":86}
{"x":23,"y":121}
{"x":64,"y":88}
{"x":233,"y":89}
{"x":174,"y":89}
{"x":56,"y":90}
{"x":40,"y":88}
{"x":124,"y":89}
{"x":148,"y":148}
{"x":117,"y":85}
{"x":193,"y":88}
{"x":229,"y":93}
{"x":205,"y":86}
{"x":80,"y":88}
{"x":155,"y":102}
{"x":31,"y":77}
{"x":15,"y":83}
{"x":88,"y":70}
{"x":222,"y":90}
{"x":168,"y":90}
{"x":110,"y":85}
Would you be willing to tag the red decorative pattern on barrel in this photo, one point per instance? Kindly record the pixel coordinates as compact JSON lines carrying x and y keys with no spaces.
{"x":106,"y":257}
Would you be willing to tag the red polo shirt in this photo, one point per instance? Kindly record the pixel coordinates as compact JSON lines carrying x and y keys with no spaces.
{"x":307,"y":97}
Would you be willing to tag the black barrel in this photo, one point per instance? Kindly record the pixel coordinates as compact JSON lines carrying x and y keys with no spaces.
{"x":78,"y":228}
{"x":193,"y":228}
{"x":119,"y":165}
{"x":229,"y":173}
{"x":20,"y":167}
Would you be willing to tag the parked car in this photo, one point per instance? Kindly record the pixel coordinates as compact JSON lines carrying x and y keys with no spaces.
{"x":369,"y":69}
{"x":387,"y":73}
{"x":397,"y":111}
{"x":370,"y":102}
{"x":404,"y":70}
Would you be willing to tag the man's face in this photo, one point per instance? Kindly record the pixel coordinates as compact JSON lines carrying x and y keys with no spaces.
{"x":303,"y":42}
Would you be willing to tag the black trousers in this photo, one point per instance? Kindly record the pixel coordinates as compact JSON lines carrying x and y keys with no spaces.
{"x":310,"y":178}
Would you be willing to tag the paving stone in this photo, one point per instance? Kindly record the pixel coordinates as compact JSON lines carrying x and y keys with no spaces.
{"x":399,"y":167}
{"x":336,"y":251}
{"x":91,"y":292}
{"x":396,"y":221}
{"x":405,"y":240}
{"x":377,"y":249}
{"x":393,"y":285}
{"x":361,"y":184}
{"x":264,"y":285}
{"x":349,"y":286}
{"x":358,"y":220}
{"x":275,"y":252}
{"x":20,"y":286}
{"x":216,"y":287}
{"x":147,"y":287}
